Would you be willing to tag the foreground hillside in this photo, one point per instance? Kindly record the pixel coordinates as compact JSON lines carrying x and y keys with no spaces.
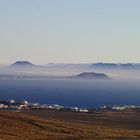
{"x":53,"y":125}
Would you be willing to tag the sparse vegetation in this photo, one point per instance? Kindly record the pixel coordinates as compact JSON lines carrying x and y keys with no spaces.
{"x":54,"y":125}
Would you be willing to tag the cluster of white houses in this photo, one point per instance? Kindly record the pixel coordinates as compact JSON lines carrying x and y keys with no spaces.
{"x":12,"y":104}
{"x":119,"y":107}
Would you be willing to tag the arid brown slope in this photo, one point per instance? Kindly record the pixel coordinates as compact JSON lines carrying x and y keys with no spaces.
{"x":53,"y":125}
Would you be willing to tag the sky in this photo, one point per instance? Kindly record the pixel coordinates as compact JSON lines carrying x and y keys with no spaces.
{"x":69,"y":31}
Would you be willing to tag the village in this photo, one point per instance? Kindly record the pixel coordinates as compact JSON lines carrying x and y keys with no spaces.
{"x":25,"y":105}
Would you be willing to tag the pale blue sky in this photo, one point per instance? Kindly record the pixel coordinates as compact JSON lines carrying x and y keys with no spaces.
{"x":69,"y":31}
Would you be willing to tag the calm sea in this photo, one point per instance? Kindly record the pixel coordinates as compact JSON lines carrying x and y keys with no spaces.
{"x":82,"y":93}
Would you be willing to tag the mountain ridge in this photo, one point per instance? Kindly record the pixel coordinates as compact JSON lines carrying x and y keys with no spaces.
{"x":92,"y":75}
{"x":101,"y":65}
{"x":22,"y":63}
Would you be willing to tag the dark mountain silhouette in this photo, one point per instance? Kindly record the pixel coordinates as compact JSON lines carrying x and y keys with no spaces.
{"x":22,"y":64}
{"x":92,"y":75}
{"x":22,"y":68}
{"x":26,"y":68}
{"x":115,"y":66}
{"x":27,"y":64}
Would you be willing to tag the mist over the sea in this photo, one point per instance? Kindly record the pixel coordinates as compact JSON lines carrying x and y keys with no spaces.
{"x":28,"y":83}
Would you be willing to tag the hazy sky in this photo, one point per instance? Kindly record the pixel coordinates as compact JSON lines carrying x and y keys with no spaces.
{"x":70,"y":31}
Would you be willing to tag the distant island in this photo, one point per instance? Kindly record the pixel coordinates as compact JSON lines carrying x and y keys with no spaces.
{"x":123,"y":66}
{"x":92,"y":75}
{"x":99,"y":65}
{"x":22,"y":63}
{"x":27,"y":69}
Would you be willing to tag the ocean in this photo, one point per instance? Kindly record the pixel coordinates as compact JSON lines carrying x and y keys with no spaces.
{"x":70,"y":93}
